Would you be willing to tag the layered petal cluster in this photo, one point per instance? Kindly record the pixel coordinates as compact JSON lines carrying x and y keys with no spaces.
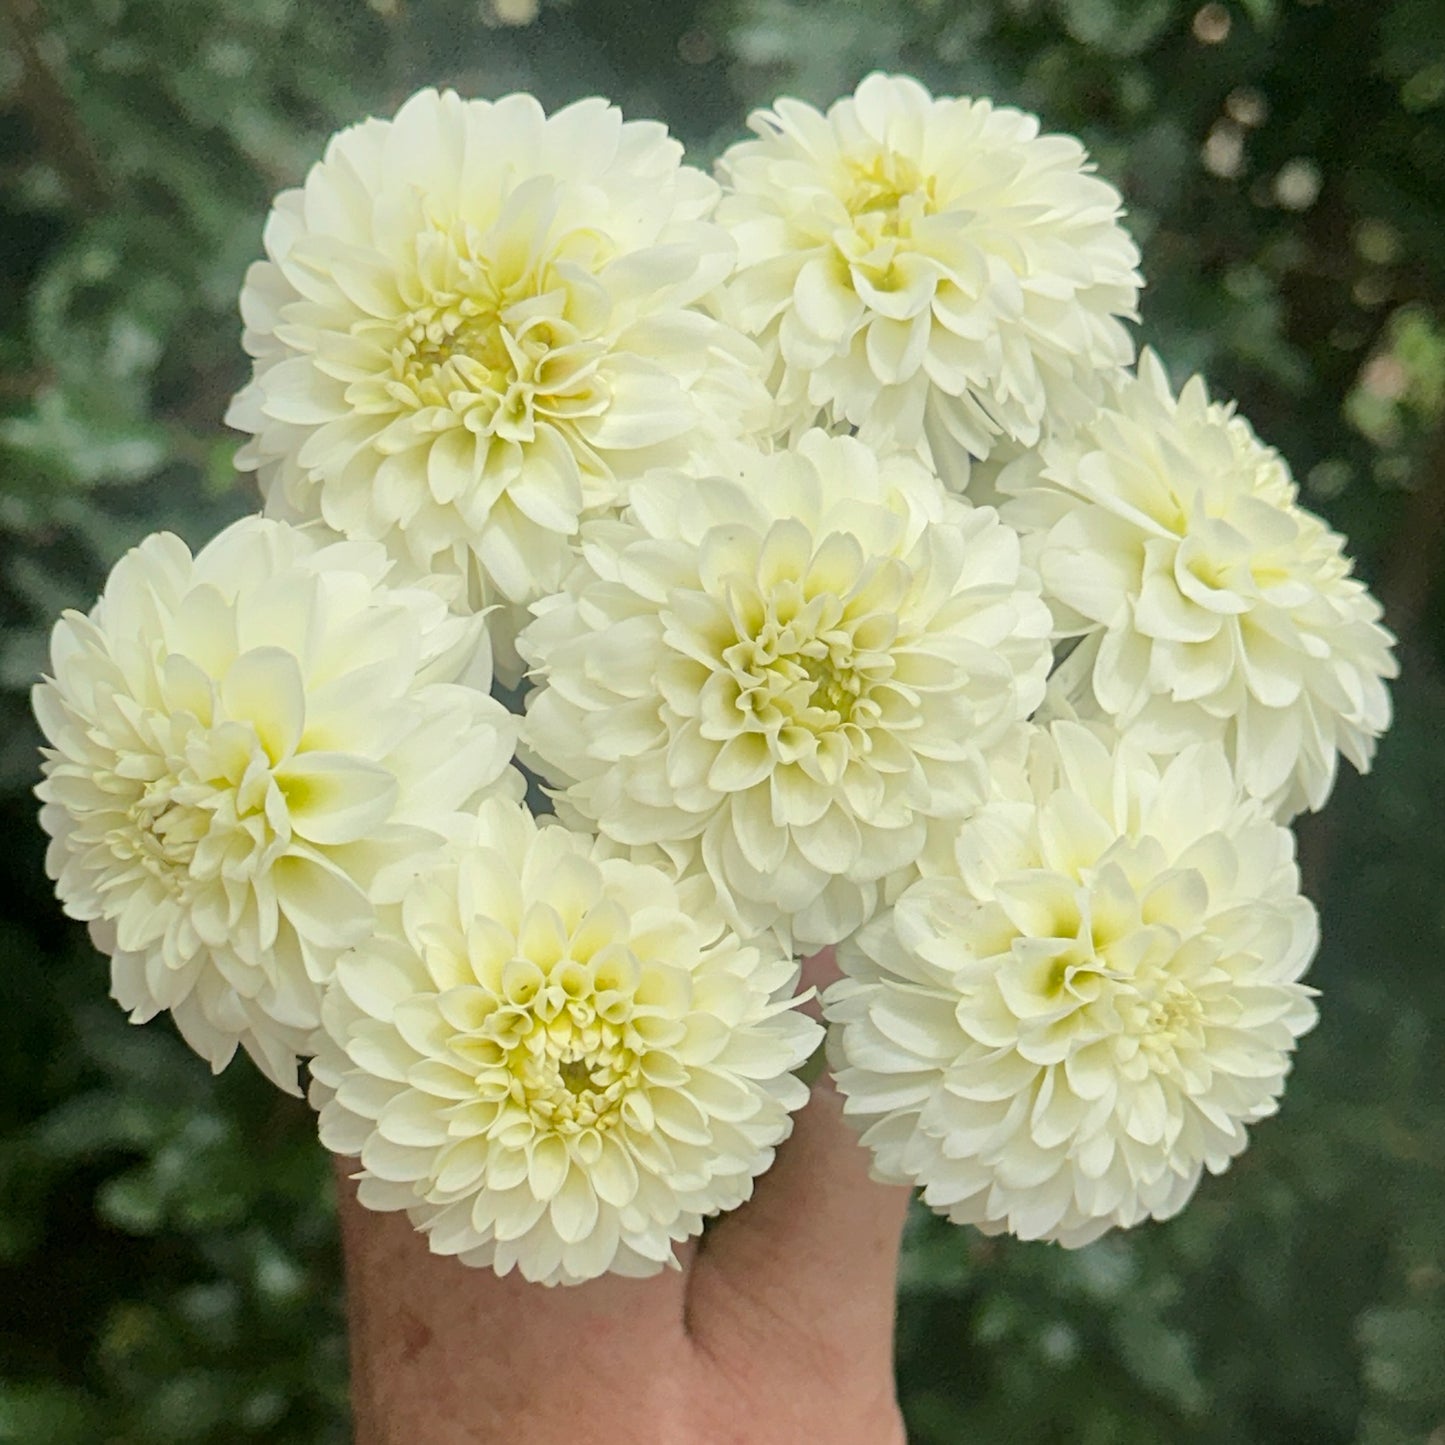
{"x":475,"y":322}
{"x":562,"y":1060}
{"x":927,"y":267}
{"x":241,"y":745}
{"x":780,"y":675}
{"x":1087,"y":1001}
{"x":1212,"y":605}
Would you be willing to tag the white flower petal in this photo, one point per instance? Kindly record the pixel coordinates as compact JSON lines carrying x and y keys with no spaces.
{"x":223,"y":814}
{"x":909,"y":261}
{"x":1073,"y":1060}
{"x":608,"y":1064}
{"x":468,"y":321}
{"x":782,"y":675}
{"x":1213,"y":605}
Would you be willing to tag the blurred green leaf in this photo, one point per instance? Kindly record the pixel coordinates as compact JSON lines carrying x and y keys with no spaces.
{"x":31,"y":1413}
{"x":1116,"y":27}
{"x":79,"y":447}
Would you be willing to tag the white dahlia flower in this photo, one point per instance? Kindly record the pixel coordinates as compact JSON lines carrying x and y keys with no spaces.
{"x":1212,"y":605}
{"x":562,"y":1060}
{"x":917,"y":266}
{"x":1084,"y":1006}
{"x":477,"y":322}
{"x":780,"y":676}
{"x":241,"y":743}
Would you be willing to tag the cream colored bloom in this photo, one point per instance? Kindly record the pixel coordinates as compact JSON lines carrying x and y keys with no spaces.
{"x":476,"y":322}
{"x":1212,"y":605}
{"x":562,"y":1061}
{"x":927,"y":266}
{"x":779,"y":676}
{"x":1087,"y":1003}
{"x":241,"y":744}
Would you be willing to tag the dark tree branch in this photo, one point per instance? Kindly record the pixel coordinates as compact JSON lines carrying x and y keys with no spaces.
{"x":49,"y":107}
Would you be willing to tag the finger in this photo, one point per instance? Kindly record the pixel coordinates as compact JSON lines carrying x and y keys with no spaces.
{"x":434,"y":1339}
{"x":815,"y":1251}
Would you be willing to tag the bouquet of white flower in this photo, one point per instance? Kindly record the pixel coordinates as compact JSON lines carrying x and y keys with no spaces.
{"x":839,"y":585}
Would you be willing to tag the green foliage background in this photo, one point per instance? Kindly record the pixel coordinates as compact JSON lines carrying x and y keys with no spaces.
{"x":167,"y":1258}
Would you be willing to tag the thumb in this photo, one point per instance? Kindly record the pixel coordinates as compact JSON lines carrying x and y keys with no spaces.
{"x":815,"y":1250}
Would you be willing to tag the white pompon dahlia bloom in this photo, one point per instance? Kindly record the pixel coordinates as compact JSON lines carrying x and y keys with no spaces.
{"x":1087,"y":1000}
{"x":240,"y":745}
{"x":927,"y":266}
{"x":561,"y":1060}
{"x":475,"y":322}
{"x":780,"y":675}
{"x":1211,"y":604}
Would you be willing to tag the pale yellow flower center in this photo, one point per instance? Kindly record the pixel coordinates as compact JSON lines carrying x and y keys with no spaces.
{"x":166,"y":832}
{"x":809,"y":687}
{"x":1171,"y":1017}
{"x":889,"y":183}
{"x":835,"y":687}
{"x":886,"y":198}
{"x":1159,"y":1013}
{"x":562,"y":1046}
{"x":1150,"y":1006}
{"x":220,"y":788}
{"x":442,"y":348}
{"x":499,"y":343}
{"x":572,"y":1076}
{"x":806,"y":670}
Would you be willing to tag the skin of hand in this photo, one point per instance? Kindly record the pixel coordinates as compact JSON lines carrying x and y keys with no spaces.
{"x":778,"y":1329}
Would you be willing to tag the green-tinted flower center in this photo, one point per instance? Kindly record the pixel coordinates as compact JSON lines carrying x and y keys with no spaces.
{"x":1095,"y":992}
{"x":441,"y":348}
{"x":835,"y":688}
{"x":217,"y":790}
{"x":1172,"y":1017}
{"x":565,"y":1047}
{"x":886,"y":180}
{"x":571,"y":1075}
{"x":807,"y":671}
{"x":494,"y":341}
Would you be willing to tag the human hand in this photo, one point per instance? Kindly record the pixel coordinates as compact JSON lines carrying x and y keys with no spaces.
{"x":777,"y":1330}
